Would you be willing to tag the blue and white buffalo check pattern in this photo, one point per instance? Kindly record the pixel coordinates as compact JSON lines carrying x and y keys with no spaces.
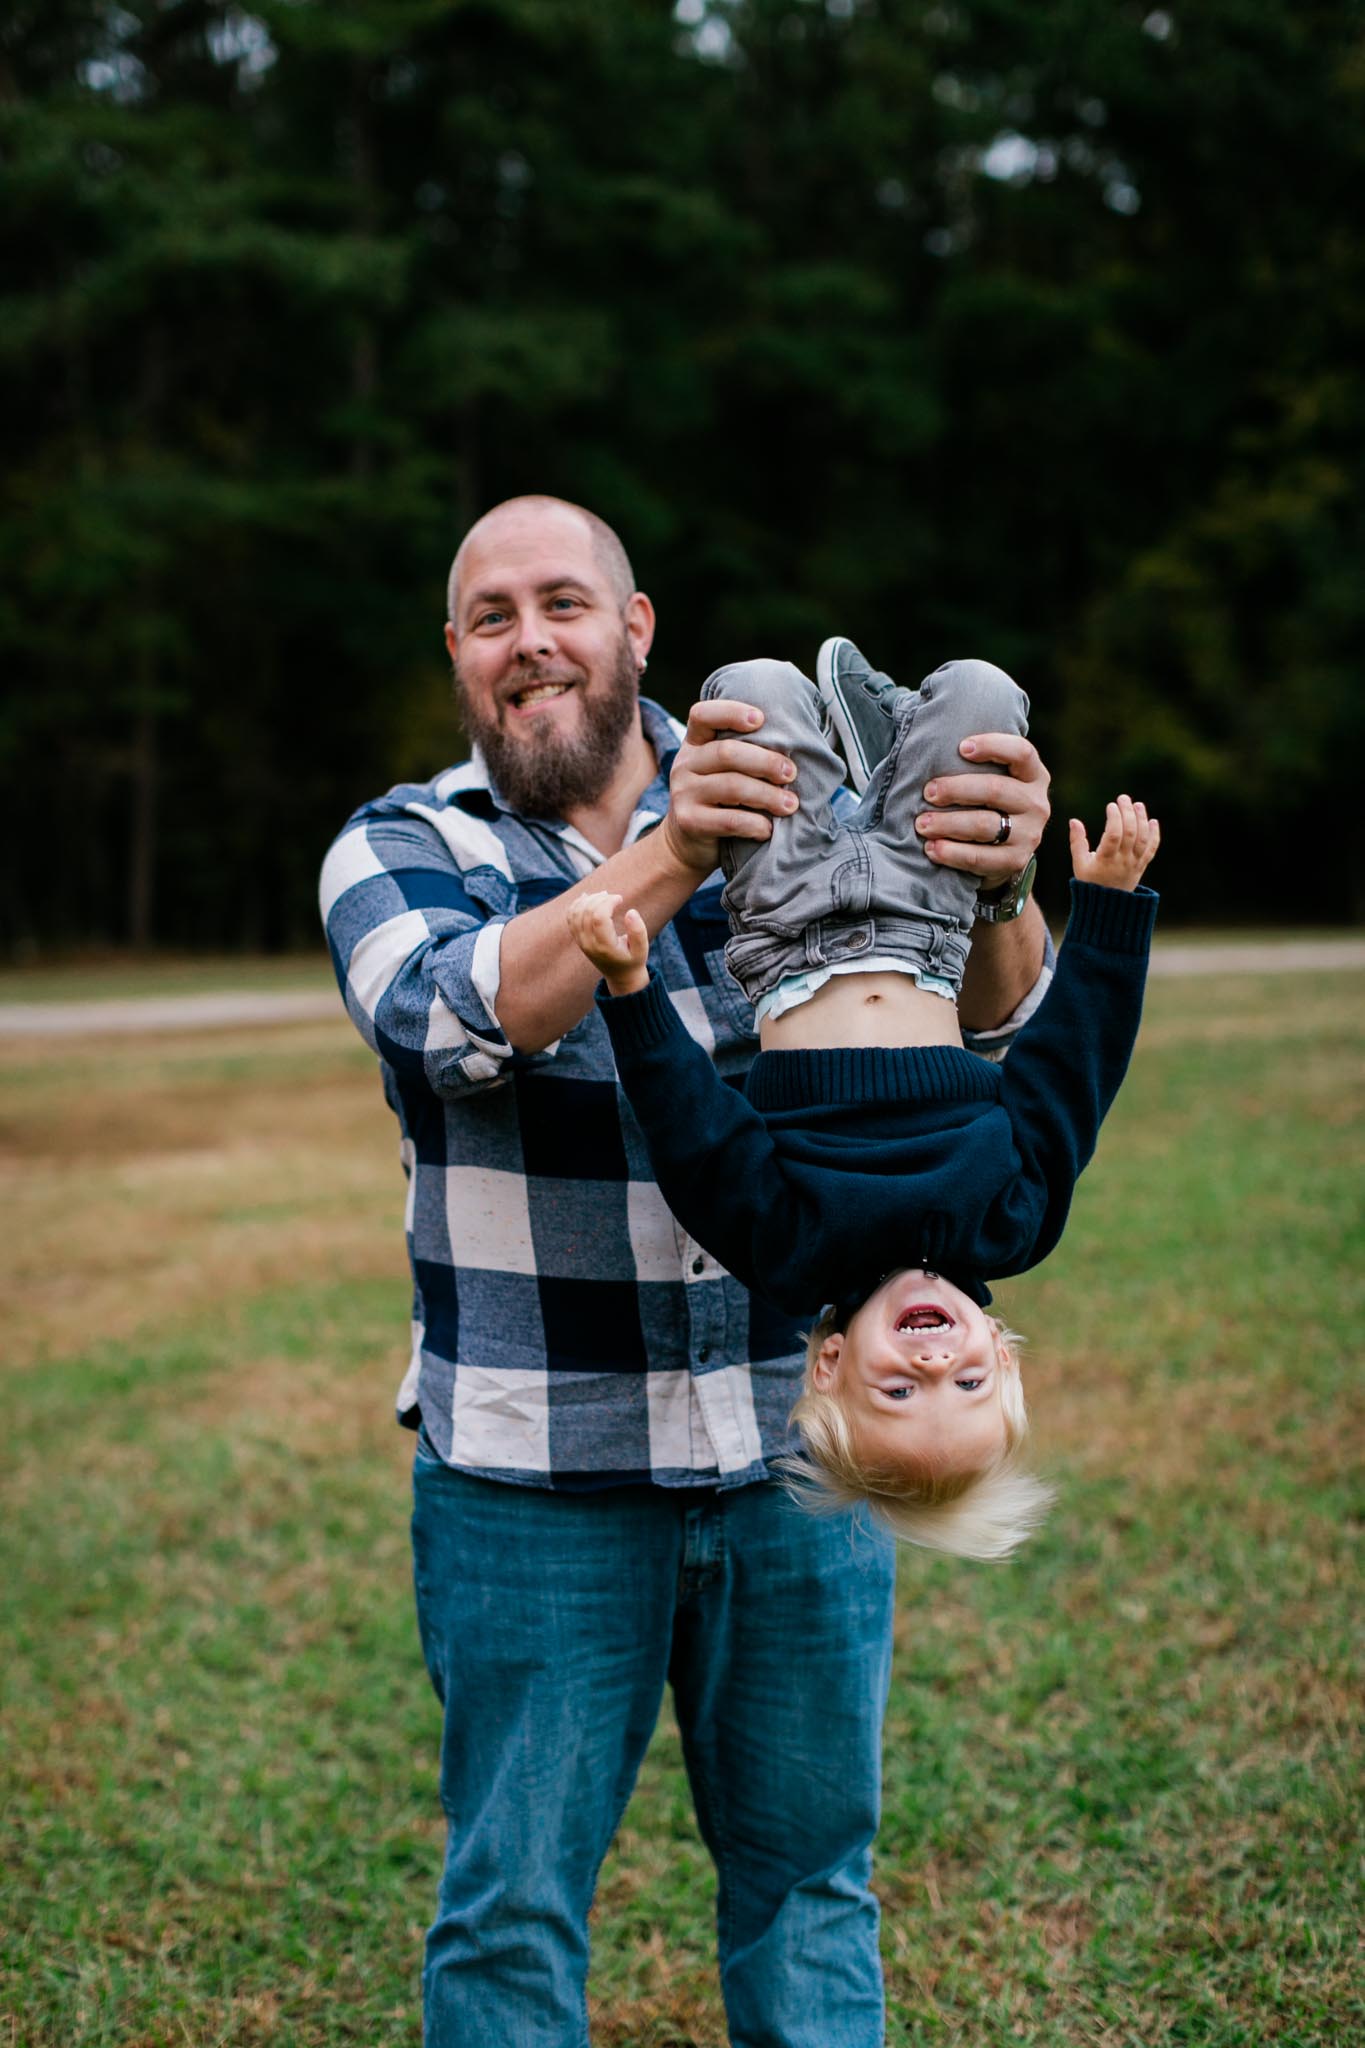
{"x":566,"y":1331}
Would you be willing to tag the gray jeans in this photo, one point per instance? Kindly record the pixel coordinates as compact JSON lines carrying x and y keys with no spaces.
{"x":822,"y":890}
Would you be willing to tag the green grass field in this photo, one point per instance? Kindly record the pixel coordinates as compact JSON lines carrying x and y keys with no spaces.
{"x":1122,"y":1772}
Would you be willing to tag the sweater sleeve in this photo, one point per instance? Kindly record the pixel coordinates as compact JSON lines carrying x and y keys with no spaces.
{"x":710,"y":1149}
{"x":1067,"y":1064}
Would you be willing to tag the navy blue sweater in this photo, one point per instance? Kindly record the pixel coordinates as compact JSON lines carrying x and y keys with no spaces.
{"x":832,"y":1168}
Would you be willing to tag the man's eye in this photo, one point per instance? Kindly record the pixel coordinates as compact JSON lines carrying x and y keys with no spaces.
{"x":490,"y":618}
{"x":555,"y":602}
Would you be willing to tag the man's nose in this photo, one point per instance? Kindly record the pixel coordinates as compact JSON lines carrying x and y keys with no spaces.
{"x":533,"y":636}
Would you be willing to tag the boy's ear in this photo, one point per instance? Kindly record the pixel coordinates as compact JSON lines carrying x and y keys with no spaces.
{"x":1004,"y":1350}
{"x":824,"y":1370}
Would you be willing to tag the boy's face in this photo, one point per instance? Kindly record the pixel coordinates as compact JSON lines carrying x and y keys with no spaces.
{"x":918,"y":1374}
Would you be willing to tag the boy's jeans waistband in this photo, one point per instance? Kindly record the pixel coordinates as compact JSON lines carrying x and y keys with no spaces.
{"x":760,"y":959}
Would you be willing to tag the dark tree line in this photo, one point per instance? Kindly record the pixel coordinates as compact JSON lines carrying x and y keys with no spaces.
{"x":1024,"y":327}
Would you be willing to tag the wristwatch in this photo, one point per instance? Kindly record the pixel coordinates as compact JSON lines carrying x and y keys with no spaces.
{"x":1003,"y":905}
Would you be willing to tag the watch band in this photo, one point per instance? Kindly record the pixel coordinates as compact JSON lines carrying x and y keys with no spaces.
{"x":1003,"y":905}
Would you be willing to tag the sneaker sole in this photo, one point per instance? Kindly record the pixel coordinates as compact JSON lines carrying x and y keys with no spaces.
{"x":859,"y":768}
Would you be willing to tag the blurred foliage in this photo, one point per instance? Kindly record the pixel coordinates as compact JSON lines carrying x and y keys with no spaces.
{"x":1023,"y":327}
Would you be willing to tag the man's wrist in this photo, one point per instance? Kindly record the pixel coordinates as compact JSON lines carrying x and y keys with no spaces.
{"x":697,"y":863}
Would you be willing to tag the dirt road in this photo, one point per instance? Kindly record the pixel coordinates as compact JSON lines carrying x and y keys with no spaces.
{"x":223,"y":1009}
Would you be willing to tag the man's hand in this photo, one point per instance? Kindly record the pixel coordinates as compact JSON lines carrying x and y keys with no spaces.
{"x":1126,"y":850}
{"x":963,"y":828}
{"x":621,"y":956}
{"x":723,"y":786}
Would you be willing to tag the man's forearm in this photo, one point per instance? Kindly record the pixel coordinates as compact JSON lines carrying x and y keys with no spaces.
{"x":546,"y":984}
{"x":1003,"y":965}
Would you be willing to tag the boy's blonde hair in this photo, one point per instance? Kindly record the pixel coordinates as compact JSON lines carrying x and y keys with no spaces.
{"x":985,"y":1514}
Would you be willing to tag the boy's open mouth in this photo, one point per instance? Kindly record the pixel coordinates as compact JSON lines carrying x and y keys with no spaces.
{"x":923,"y":1316}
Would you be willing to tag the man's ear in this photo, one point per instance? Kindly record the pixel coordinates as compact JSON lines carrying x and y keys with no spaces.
{"x":824,"y":1371}
{"x":451,"y":642}
{"x":639,"y":626}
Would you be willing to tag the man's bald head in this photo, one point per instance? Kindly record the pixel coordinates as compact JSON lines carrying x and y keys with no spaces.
{"x":607,"y":550}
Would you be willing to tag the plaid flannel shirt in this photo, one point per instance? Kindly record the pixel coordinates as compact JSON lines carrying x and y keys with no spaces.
{"x":566,"y":1331}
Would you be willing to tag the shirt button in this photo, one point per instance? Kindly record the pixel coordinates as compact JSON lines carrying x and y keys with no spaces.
{"x":698,"y":1265}
{"x":703,"y":1354}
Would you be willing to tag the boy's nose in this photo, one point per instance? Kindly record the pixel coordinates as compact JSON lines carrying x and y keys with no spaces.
{"x":935,"y":1358}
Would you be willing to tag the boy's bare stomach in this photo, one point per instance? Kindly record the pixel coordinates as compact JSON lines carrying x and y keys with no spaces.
{"x":877,"y":1009}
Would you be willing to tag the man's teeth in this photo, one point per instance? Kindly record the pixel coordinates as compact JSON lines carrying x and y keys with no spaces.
{"x":538,"y":693}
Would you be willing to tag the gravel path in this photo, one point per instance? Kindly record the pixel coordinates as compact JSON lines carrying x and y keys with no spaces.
{"x":216,"y":1012}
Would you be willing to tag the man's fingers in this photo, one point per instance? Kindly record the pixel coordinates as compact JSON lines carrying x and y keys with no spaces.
{"x":1019,"y":755}
{"x":720,"y":714}
{"x":976,"y":827}
{"x":739,"y":792}
{"x":740,"y":757}
{"x":1000,"y":863}
{"x":986,"y":792}
{"x":739,"y":824}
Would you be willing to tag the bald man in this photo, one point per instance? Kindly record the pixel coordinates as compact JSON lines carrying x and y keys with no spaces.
{"x":599,"y":1406}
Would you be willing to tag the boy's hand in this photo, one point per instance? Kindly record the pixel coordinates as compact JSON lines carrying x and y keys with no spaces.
{"x":620,"y":957}
{"x":1127,"y":846}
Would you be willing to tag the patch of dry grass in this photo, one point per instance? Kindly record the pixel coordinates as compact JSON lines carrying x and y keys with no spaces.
{"x":152,"y":1180}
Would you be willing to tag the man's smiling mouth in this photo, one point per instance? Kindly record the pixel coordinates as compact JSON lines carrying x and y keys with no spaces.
{"x":537,"y":693}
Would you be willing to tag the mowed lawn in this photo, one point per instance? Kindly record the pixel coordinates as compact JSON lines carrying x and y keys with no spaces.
{"x":1122,"y":1771}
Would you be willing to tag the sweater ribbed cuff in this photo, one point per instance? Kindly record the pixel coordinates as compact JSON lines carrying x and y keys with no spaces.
{"x":1114,"y":920}
{"x":640,"y":1022}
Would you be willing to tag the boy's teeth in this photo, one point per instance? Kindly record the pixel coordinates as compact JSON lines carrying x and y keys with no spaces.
{"x":925,"y":1319}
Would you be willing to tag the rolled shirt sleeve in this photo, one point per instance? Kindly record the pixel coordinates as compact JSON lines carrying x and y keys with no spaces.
{"x":415,"y":940}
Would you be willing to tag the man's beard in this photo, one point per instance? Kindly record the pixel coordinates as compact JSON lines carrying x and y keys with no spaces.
{"x":545,"y":774}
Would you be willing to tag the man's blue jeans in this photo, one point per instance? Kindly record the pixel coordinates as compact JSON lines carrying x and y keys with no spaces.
{"x":550,"y":1623}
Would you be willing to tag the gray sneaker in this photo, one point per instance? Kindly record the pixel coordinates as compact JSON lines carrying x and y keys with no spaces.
{"x":862,"y":703}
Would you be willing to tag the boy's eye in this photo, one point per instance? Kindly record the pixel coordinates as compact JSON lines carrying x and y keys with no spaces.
{"x":971,"y":1385}
{"x":899,"y":1393}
